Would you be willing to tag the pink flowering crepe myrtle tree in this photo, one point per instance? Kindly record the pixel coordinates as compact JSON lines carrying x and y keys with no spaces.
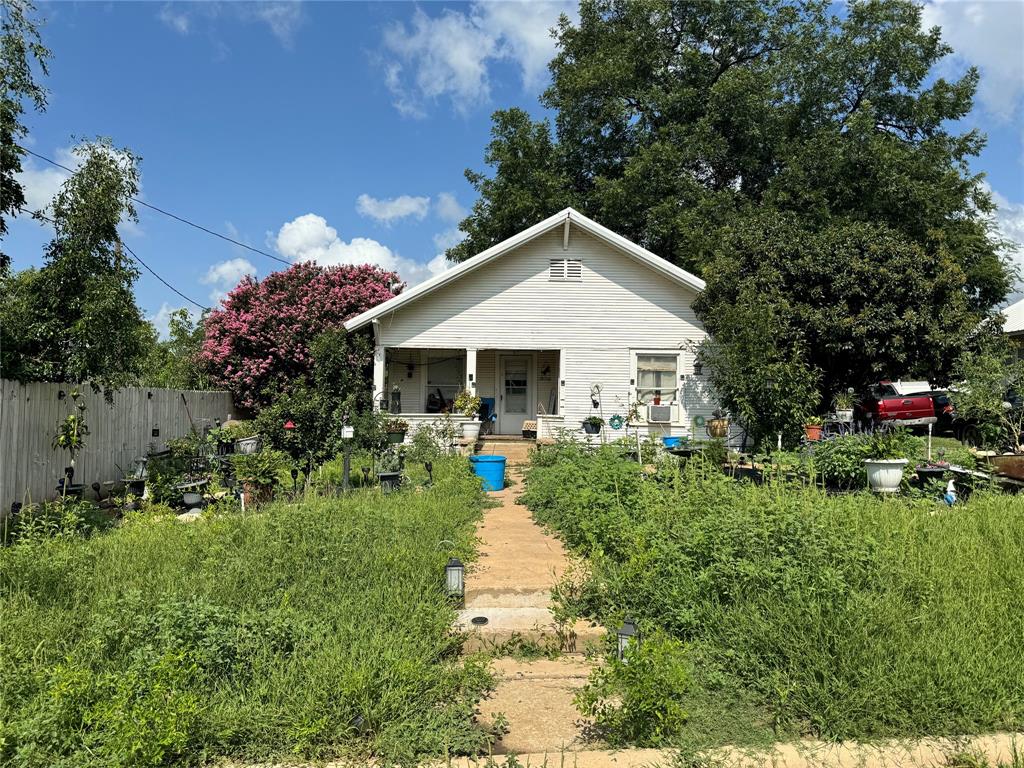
{"x":258,"y":340}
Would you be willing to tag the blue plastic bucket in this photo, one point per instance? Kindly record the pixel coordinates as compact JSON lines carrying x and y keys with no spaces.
{"x":490,"y":469}
{"x":671,"y":442}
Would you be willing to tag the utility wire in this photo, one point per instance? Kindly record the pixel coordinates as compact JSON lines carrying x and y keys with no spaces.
{"x":154,"y":274}
{"x":134,"y":255}
{"x":171,"y":215}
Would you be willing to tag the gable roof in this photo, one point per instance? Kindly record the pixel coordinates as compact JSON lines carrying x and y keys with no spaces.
{"x":1014,"y":315}
{"x":569,"y":216}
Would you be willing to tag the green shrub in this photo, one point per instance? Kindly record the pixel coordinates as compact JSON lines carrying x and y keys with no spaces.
{"x":839,"y":461}
{"x":843,"y":616}
{"x":640,"y":701}
{"x":316,"y":630}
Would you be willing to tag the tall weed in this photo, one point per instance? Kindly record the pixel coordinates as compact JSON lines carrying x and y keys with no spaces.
{"x":841,"y":616}
{"x":316,"y":629}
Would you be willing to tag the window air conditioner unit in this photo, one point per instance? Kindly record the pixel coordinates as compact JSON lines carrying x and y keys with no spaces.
{"x":659,"y":414}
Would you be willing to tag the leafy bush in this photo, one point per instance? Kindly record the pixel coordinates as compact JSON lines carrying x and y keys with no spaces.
{"x":640,"y":700}
{"x":318,"y":630}
{"x":843,"y":616}
{"x":839,"y":461}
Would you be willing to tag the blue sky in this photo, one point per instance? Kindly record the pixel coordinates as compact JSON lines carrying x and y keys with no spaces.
{"x":340,"y":131}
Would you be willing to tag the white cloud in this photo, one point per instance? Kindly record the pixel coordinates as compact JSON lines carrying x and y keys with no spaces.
{"x":161,"y":320}
{"x":449,"y":55}
{"x":388,"y":210}
{"x":989,"y":35}
{"x":1010,"y":220}
{"x":448,"y":208}
{"x":449,"y":238}
{"x":311,"y":238}
{"x":282,"y":18}
{"x":178,"y":21}
{"x":225,"y":275}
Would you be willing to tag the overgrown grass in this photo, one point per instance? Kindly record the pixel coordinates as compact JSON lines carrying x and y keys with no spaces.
{"x":316,"y":629}
{"x":793,"y":612}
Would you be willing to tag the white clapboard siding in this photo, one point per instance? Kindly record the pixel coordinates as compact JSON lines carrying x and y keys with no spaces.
{"x":598,"y":321}
{"x":120,"y":431}
{"x":511,"y":304}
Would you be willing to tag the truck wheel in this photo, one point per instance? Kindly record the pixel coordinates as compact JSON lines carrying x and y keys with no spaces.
{"x":971,"y":436}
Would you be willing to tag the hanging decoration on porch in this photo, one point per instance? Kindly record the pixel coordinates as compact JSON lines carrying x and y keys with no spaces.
{"x":616,"y":421}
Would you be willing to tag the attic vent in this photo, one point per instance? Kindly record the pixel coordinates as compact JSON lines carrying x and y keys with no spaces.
{"x":565,"y":269}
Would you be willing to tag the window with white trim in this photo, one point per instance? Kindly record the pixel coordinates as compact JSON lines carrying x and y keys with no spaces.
{"x":565,"y":270}
{"x":657,"y":377}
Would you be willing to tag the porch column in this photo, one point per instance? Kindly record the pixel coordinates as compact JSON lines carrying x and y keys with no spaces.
{"x":561,"y":382}
{"x":471,"y":370}
{"x":379,"y":395}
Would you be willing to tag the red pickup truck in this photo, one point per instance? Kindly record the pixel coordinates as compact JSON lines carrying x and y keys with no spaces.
{"x":904,"y":403}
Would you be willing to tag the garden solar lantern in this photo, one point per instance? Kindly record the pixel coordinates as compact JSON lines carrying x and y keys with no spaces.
{"x":454,"y":577}
{"x":626,"y":634}
{"x":429,"y":466}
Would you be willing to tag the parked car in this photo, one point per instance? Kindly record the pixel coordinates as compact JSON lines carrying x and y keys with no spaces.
{"x":904,"y":404}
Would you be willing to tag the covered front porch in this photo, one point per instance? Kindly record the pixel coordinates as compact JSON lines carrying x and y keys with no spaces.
{"x":516,"y":386}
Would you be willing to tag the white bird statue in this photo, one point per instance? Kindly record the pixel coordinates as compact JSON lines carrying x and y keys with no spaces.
{"x":950,"y":497}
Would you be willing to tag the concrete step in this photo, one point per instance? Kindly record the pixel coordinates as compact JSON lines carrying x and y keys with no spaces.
{"x":536,"y":625}
{"x":537,"y":701}
{"x":507,"y":598}
{"x":986,"y":749}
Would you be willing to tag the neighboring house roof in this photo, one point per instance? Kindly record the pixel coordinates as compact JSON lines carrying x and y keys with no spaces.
{"x":1014,"y":318}
{"x":563,"y":218}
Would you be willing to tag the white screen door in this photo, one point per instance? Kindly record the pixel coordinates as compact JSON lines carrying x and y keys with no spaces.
{"x":515,"y":404}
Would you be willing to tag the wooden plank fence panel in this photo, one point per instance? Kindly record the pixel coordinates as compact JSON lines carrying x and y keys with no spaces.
{"x":120,"y":431}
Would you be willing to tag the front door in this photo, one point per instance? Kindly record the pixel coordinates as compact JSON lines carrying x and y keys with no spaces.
{"x":514,"y":396}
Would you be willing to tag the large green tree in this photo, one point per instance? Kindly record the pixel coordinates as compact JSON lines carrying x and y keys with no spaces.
{"x":707,"y":131}
{"x":174,"y":362}
{"x":20,"y":50}
{"x":75,"y":318}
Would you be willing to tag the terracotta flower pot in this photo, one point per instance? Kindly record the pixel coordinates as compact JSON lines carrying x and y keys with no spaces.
{"x":258,"y":494}
{"x":812,"y":431}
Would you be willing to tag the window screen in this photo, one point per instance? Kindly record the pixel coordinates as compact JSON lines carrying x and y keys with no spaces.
{"x":656,"y":377}
{"x":444,"y":381}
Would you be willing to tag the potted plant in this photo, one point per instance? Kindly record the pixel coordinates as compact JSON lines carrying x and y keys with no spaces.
{"x":886,"y":461}
{"x":592,"y":425}
{"x":396,"y":429}
{"x":468,"y":405}
{"x":812,"y":429}
{"x":70,"y":436}
{"x":248,"y":445}
{"x":389,"y":471}
{"x":258,"y":473}
{"x":718,"y":425}
{"x":844,"y":403}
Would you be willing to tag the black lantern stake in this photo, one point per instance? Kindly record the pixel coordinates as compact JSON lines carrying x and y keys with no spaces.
{"x":366,"y":475}
{"x":455,"y":579}
{"x":626,"y":635}
{"x":429,"y":466}
{"x":295,"y":480}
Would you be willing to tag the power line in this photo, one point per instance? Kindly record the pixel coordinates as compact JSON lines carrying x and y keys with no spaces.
{"x":171,"y":215}
{"x":134,"y":255}
{"x":154,"y":274}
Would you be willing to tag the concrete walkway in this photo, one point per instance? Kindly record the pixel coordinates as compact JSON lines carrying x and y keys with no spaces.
{"x":510,"y":586}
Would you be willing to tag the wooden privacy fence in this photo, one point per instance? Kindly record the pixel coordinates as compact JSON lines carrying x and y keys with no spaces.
{"x":135,"y":421}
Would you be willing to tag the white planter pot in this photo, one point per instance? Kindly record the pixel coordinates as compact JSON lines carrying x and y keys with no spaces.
{"x":885,"y":475}
{"x":845,"y":416}
{"x":471,"y":430}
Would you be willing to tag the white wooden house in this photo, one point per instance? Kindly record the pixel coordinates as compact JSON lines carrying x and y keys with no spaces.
{"x":563,"y":321}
